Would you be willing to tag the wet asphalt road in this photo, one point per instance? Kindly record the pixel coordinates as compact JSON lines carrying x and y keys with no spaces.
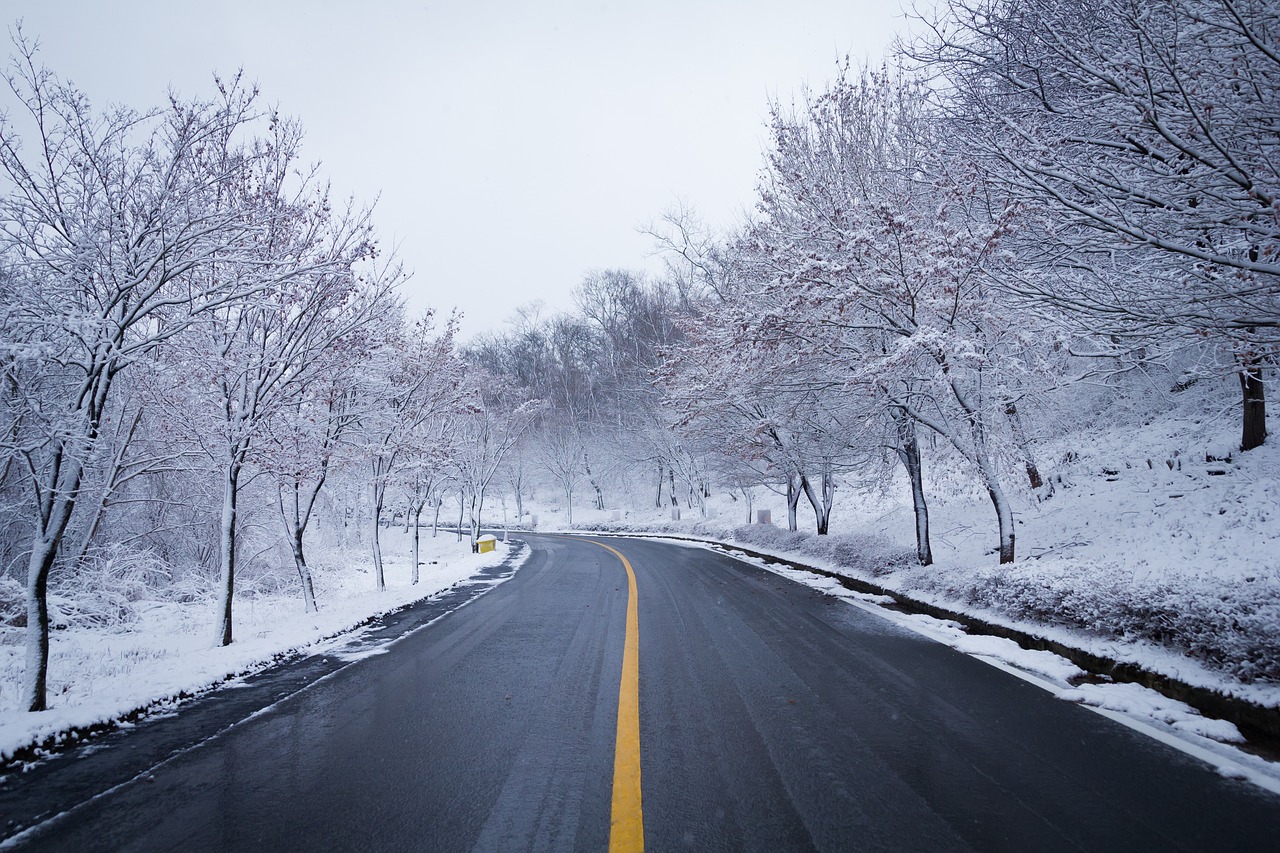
{"x":771,"y":718}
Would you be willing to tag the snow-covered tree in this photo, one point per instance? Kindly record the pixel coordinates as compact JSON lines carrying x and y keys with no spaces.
{"x":1146,"y":131}
{"x":413,"y":383}
{"x":876,"y":255}
{"x":489,"y":426}
{"x":108,"y":218}
{"x":311,"y":431}
{"x":258,"y":356}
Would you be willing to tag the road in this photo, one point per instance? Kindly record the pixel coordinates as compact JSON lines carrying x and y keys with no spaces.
{"x":770,"y":717}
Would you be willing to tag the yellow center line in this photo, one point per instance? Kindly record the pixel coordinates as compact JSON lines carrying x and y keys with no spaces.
{"x":626,"y":829}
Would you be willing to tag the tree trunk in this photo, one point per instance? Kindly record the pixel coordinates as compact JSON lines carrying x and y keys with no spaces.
{"x":37,"y":672}
{"x":568,"y":502}
{"x":295,"y":520}
{"x":909,"y":454}
{"x":986,"y":470}
{"x":828,"y":498}
{"x":304,"y":574}
{"x":477,"y":507}
{"x":821,"y":507}
{"x":586,"y":466}
{"x":793,"y":499}
{"x":58,"y":501}
{"x":1255,"y":406}
{"x":380,"y":580}
{"x":1024,"y":446}
{"x":806,"y":489}
{"x":227,"y":549}
{"x":1005,"y":515}
{"x":417,"y":519}
{"x":661,"y":478}
{"x":462,"y":512}
{"x":435,"y":521}
{"x":59,"y":489}
{"x":671,"y":473}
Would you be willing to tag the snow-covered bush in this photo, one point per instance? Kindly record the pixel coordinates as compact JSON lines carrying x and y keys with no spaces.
{"x":104,"y":589}
{"x":1231,"y":628}
{"x":866,"y":554}
{"x":13,"y":608}
{"x":708,"y":528}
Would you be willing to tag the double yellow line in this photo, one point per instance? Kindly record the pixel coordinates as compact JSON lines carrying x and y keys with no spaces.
{"x":626,"y":830}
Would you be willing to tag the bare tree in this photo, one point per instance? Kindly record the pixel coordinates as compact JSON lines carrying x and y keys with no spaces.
{"x":560,"y":453}
{"x":425,"y":475}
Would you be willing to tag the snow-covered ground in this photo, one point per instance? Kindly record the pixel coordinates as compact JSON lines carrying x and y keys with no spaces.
{"x":168,"y":649}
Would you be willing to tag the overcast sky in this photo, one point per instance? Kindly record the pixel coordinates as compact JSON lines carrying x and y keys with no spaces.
{"x":514,"y":146}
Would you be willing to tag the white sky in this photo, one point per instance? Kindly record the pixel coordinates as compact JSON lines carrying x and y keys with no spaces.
{"x":516,"y":146}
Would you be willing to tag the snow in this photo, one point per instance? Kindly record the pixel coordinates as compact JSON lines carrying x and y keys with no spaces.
{"x":1136,"y":700}
{"x":98,"y":676}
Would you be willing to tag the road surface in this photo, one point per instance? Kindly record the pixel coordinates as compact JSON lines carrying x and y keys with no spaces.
{"x":762,"y":716}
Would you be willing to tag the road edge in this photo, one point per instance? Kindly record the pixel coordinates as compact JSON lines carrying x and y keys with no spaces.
{"x":75,"y":737}
{"x":1259,"y":724}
